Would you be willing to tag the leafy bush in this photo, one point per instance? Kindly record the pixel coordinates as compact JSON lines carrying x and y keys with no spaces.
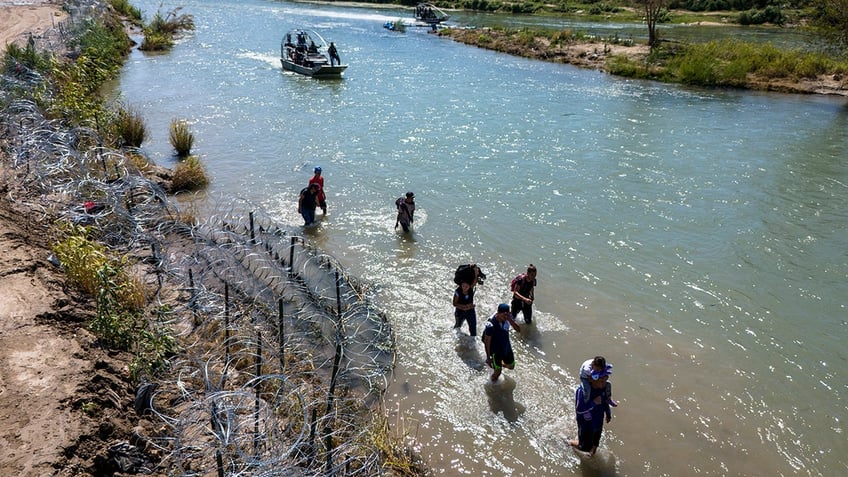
{"x":159,"y":33}
{"x":120,"y":298}
{"x":103,"y":47}
{"x":181,"y":137}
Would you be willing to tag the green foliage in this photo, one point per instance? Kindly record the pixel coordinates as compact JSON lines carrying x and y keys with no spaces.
{"x":103,"y":47}
{"x":400,"y":26}
{"x":155,"y":346}
{"x":128,"y":10}
{"x":181,"y":137}
{"x":18,"y":60}
{"x":90,"y":408}
{"x":771,"y":14}
{"x":118,"y":321}
{"x":189,"y":175}
{"x":159,"y":33}
{"x":130,"y":127}
{"x":830,"y":17}
{"x":732,"y":62}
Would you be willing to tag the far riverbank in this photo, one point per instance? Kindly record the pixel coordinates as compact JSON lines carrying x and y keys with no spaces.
{"x":598,"y":54}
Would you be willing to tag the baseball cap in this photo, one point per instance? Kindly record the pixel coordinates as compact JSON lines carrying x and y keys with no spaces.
{"x":318,"y":169}
{"x":503,"y":307}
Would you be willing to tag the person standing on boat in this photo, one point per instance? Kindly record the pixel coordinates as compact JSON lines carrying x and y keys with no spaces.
{"x":322,"y":197}
{"x":307,"y":202}
{"x":334,"y":54}
{"x":406,"y":209}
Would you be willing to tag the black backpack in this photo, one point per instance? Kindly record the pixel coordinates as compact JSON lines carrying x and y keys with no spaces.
{"x":465,"y":273}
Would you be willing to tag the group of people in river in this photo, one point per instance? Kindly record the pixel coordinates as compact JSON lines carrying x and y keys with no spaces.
{"x":593,"y":397}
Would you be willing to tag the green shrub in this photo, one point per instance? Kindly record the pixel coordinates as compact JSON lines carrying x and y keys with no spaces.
{"x":128,"y":10}
{"x":156,"y":41}
{"x":18,"y":59}
{"x":120,"y":298}
{"x":181,"y":137}
{"x":189,"y":175}
{"x":159,"y":33}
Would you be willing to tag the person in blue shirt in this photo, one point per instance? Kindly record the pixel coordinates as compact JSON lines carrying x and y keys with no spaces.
{"x":591,"y":414}
{"x":307,"y":202}
{"x":496,"y":339}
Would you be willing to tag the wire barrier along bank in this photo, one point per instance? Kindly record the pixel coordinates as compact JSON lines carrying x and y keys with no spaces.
{"x":283,"y":358}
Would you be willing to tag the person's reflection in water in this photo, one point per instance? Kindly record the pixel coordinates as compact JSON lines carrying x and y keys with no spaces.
{"x":468,"y":352}
{"x":501,"y":399}
{"x":406,"y":247}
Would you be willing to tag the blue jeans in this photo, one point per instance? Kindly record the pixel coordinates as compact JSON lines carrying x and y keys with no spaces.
{"x":468,"y":315}
{"x":308,"y":216}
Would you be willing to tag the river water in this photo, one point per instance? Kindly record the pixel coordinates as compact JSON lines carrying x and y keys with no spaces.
{"x":696,"y":238}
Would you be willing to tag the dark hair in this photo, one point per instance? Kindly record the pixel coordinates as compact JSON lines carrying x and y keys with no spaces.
{"x":600,"y":362}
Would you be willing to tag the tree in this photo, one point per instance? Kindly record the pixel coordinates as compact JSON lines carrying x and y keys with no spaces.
{"x":653,"y":15}
{"x":832,"y":20}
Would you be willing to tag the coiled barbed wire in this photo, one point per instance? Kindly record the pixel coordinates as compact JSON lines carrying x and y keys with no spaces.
{"x":282,"y":352}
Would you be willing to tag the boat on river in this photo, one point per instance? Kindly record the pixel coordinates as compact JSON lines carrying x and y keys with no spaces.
{"x":303,"y":52}
{"x":430,"y":14}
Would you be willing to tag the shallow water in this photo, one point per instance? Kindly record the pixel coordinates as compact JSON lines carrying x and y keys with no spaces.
{"x":696,"y":238}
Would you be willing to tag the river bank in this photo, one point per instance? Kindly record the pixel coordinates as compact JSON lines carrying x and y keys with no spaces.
{"x":597,"y":54}
{"x":75,"y":406}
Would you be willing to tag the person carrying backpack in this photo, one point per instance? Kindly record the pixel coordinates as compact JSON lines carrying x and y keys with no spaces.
{"x":522,"y":287}
{"x":307,"y":202}
{"x":406,"y":209}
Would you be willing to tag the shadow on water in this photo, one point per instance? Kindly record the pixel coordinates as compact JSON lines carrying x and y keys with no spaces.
{"x":530,"y":334}
{"x":468,"y":351}
{"x":602,"y":464}
{"x":406,"y":246}
{"x":501,"y":397}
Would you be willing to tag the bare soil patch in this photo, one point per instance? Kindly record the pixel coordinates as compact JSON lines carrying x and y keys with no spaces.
{"x":63,"y":399}
{"x":20,"y":18}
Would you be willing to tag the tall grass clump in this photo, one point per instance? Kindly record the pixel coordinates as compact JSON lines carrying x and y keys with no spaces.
{"x":189,"y":175}
{"x":159,"y":33}
{"x":710,"y":64}
{"x":181,"y":137}
{"x":130,"y":127}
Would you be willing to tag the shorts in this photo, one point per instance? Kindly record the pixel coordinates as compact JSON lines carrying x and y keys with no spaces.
{"x":506,"y":358}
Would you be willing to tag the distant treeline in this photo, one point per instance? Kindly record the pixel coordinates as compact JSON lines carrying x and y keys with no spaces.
{"x":750,"y":12}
